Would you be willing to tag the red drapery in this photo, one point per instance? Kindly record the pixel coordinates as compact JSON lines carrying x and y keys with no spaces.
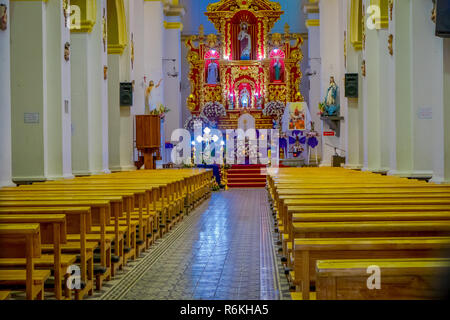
{"x":236,"y":44}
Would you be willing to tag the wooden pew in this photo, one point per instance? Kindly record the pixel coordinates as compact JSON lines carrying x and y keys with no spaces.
{"x":308,"y":251}
{"x":399,"y":278}
{"x":78,"y":221}
{"x":361,"y":204}
{"x":4,"y":295}
{"x":101,"y":207}
{"x":118,"y":229}
{"x":163,"y":206}
{"x":23,"y":241}
{"x":53,"y":231}
{"x":142,"y":202}
{"x":385,"y":216}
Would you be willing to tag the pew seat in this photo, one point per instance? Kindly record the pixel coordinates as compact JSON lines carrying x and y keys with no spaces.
{"x":399,"y":279}
{"x":308,"y":251}
{"x":4,"y":295}
{"x":23,"y":241}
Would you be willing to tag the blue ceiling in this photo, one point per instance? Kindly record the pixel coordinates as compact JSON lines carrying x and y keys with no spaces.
{"x":195,"y":9}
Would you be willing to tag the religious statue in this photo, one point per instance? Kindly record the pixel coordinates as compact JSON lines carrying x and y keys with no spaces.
{"x":213,"y":73}
{"x":245,"y":41}
{"x":277,"y":69}
{"x":148,"y":95}
{"x":245,"y":98}
{"x":331,"y":103}
{"x":3,"y":17}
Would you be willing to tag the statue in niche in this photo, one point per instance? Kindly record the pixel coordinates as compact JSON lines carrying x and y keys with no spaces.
{"x":149,"y":106}
{"x":213,"y":73}
{"x":245,"y":41}
{"x":245,"y":98}
{"x":331,"y":103}
{"x":3,"y":17}
{"x":277,"y":69}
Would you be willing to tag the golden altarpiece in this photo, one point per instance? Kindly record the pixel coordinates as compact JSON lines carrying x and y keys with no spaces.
{"x":244,"y":67}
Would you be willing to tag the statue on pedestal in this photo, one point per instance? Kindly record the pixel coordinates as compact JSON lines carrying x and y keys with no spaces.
{"x":149,"y":105}
{"x":213,"y":73}
{"x":331,"y":103}
{"x":277,"y":69}
{"x":246,"y":42}
{"x":245,"y":98}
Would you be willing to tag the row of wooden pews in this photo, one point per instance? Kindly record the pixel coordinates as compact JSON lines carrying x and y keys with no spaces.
{"x":336,"y":224}
{"x":93,"y":224}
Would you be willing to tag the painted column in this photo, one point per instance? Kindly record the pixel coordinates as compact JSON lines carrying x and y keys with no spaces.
{"x":153,"y":56}
{"x":153,"y":39}
{"x":120,"y":124}
{"x":353,"y":124}
{"x":137,"y":72}
{"x":40,"y":91}
{"x":89,"y":90}
{"x":375,"y":96}
{"x":172,"y":87}
{"x":5,"y":103}
{"x":114,"y":111}
{"x":441,"y":119}
{"x":315,"y":68}
{"x":426,"y":51}
{"x":331,"y":48}
{"x":58,"y":135}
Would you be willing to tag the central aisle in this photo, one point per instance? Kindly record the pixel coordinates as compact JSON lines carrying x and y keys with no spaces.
{"x":223,"y":250}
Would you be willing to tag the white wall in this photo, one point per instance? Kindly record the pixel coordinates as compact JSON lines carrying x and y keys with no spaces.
{"x":426,"y":93}
{"x":172,"y":93}
{"x":5,"y":105}
{"x":331,"y":51}
{"x":27,"y":89}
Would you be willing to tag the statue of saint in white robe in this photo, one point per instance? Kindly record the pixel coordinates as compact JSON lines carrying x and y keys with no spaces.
{"x":213,"y":72}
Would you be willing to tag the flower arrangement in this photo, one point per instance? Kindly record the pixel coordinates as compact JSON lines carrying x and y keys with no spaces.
{"x":312,"y":136}
{"x":321,"y":108}
{"x":189,"y":125}
{"x":160,"y":111}
{"x":274,"y":109}
{"x":213,"y":111}
{"x":214,"y":185}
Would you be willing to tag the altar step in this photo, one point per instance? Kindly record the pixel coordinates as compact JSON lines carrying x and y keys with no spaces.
{"x":246,"y":176}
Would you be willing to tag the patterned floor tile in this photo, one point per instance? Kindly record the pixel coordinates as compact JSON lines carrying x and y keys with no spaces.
{"x":223,"y":250}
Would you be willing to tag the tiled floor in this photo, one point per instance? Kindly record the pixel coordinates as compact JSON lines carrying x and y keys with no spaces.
{"x":223,"y":250}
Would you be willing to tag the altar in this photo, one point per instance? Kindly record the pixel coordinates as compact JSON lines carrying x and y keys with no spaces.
{"x":243,"y":68}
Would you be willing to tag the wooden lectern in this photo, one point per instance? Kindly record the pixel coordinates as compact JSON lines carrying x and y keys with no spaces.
{"x":148,"y":138}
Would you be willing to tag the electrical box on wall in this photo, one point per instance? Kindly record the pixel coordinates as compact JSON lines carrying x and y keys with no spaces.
{"x":443,"y":18}
{"x":351,"y":85}
{"x":126,"y":94}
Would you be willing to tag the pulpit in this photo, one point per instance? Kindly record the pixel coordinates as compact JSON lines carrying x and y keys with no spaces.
{"x":148,"y":138}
